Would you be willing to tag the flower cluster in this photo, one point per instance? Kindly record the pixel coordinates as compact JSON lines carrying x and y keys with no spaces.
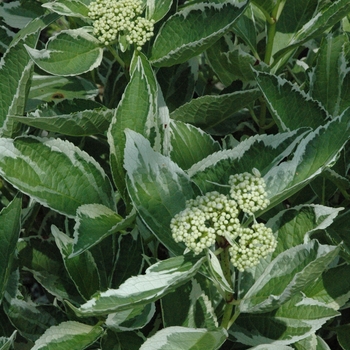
{"x":252,"y":244}
{"x":203,"y":219}
{"x":249,"y":192}
{"x":214,"y":214}
{"x":120,"y":17}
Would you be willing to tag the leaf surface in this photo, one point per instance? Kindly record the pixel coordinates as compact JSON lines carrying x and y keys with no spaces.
{"x":192,"y":30}
{"x":160,"y":279}
{"x":10,"y":226}
{"x":157,"y":186}
{"x":54,"y":172}
{"x":58,"y":58}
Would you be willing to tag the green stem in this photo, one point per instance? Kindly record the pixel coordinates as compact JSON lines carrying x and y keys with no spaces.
{"x":225,"y":265}
{"x":116,"y":56}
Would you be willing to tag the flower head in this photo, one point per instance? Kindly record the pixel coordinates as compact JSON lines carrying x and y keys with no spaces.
{"x":114,"y":17}
{"x":251,"y":246}
{"x":204,"y":218}
{"x":249,"y":192}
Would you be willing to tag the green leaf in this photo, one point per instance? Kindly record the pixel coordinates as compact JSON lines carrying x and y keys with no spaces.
{"x":15,"y":73}
{"x":46,"y":88}
{"x":58,"y":58}
{"x":129,"y":260}
{"x":55,"y":173}
{"x":296,"y":224}
{"x":271,"y":347}
{"x":343,"y":336}
{"x":137,"y":111}
{"x":290,"y":107}
{"x":313,"y":342}
{"x":84,"y":123}
{"x":333,"y":288}
{"x":157,"y":186}
{"x":207,"y":112}
{"x":189,"y":144}
{"x":131,"y":319}
{"x":189,"y":306}
{"x":44,"y":260}
{"x":330,"y":79}
{"x":121,"y":341}
{"x":266,"y":5}
{"x":8,"y":343}
{"x":328,"y":16}
{"x":262,"y":152}
{"x":308,"y":161}
{"x":233,"y":64}
{"x":289,"y":273}
{"x":157,"y":9}
{"x":245,"y":27}
{"x":31,"y":320}
{"x":17,"y":14}
{"x":72,"y":8}
{"x":187,"y":338}
{"x":160,"y":279}
{"x":192,"y":30}
{"x":292,"y":18}
{"x":68,"y":335}
{"x":82,"y":269}
{"x":296,"y":319}
{"x":178,"y":82}
{"x":94,"y":222}
{"x":10,"y":226}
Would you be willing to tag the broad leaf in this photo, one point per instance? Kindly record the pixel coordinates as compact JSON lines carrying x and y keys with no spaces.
{"x":157,"y":186}
{"x":137,"y":111}
{"x":47,"y":88}
{"x":31,"y":320}
{"x":293,"y":321}
{"x":10,"y":226}
{"x":295,"y":225}
{"x":314,"y":153}
{"x":330,"y":79}
{"x":94,"y":222}
{"x":262,"y":152}
{"x":88,"y":122}
{"x":207,"y":112}
{"x":160,"y":279}
{"x":131,"y":319}
{"x":157,"y":9}
{"x":233,"y":64}
{"x":72,"y":8}
{"x":289,"y":273}
{"x":55,"y":173}
{"x":319,"y":23}
{"x":189,"y":307}
{"x":178,"y":82}
{"x":15,"y":73}
{"x":68,"y":335}
{"x":8,"y":343}
{"x":44,"y":260}
{"x":189,"y":338}
{"x":284,"y":101}
{"x":82,"y":269}
{"x":58,"y":58}
{"x":333,"y":288}
{"x":189,"y":144}
{"x":192,"y":30}
{"x":18,"y":14}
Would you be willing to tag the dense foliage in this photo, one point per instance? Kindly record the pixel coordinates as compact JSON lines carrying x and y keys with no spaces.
{"x":174,"y":175}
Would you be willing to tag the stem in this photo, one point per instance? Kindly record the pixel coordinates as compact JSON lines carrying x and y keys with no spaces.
{"x":116,"y":56}
{"x":225,"y":265}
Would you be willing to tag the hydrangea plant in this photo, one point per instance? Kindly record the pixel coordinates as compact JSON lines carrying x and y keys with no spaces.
{"x":174,"y":174}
